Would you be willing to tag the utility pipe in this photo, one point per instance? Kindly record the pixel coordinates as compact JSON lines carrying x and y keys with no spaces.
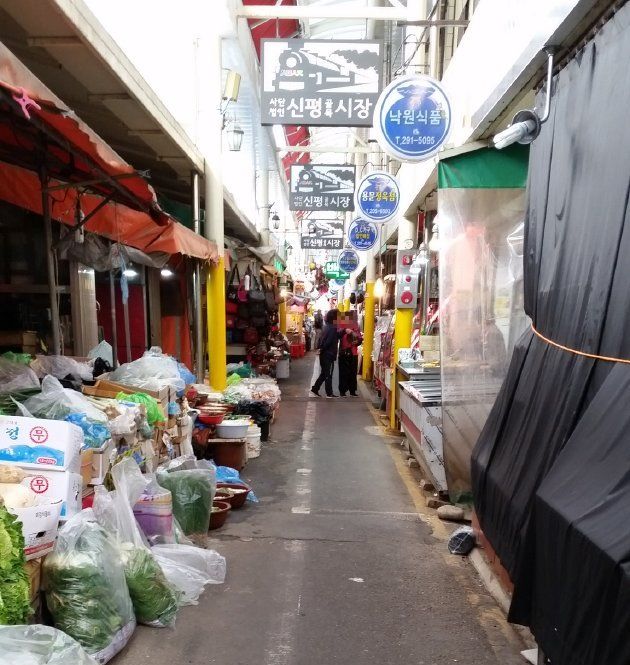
{"x":50,"y":265}
{"x":200,"y":365}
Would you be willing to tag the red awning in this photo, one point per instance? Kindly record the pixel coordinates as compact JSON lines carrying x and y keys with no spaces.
{"x":114,"y":221}
{"x":37,"y":130}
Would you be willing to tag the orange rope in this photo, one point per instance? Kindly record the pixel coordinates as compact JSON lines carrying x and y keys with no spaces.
{"x":580,"y":353}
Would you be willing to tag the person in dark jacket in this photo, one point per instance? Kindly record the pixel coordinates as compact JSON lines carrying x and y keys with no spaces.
{"x":349,"y":362}
{"x":328,"y":345}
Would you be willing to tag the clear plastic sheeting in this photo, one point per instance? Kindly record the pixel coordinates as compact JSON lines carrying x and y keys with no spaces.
{"x":481,"y":209}
{"x":153,"y":371}
{"x":15,"y":376}
{"x":40,"y":645}
{"x":56,"y":403}
{"x":62,"y":366}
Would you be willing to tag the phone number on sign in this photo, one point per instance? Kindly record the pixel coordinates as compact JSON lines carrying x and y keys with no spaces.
{"x":415,"y":140}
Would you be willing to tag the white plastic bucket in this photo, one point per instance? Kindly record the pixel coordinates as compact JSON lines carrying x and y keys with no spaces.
{"x":282,"y":369}
{"x":253,"y":442}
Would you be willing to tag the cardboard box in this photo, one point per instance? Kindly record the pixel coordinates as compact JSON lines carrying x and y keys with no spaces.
{"x":35,"y":443}
{"x":39,"y":526}
{"x":101,"y":461}
{"x":52,"y":485}
{"x":87,"y":456}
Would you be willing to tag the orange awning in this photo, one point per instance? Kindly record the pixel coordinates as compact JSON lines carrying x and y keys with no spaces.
{"x":38,"y":130}
{"x":22,"y":188}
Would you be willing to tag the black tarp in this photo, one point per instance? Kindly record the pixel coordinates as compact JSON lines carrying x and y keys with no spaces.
{"x":551,"y":469}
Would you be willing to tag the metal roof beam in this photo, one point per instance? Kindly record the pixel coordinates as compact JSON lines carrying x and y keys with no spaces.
{"x":316,"y":150}
{"x":305,"y":12}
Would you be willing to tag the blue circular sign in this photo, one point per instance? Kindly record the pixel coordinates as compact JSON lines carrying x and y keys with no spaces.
{"x":412,"y":118}
{"x":348,"y":260}
{"x":378,"y":196}
{"x":362,"y":234}
{"x":340,"y":282}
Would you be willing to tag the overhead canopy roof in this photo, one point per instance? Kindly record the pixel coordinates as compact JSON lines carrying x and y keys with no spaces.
{"x":42,"y":139}
{"x":66,"y":47}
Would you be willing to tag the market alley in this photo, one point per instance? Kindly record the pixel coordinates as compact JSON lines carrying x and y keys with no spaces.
{"x":334,"y":564}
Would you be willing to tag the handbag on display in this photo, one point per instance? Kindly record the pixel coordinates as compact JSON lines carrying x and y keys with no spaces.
{"x":231,"y":294}
{"x":230,"y":321}
{"x":256,"y":293}
{"x":243,"y":310}
{"x":231,"y":307}
{"x":258,"y":321}
{"x":257,"y":308}
{"x":242,"y":294}
{"x":241,"y":324}
{"x":250,"y":336}
{"x":237,"y":336}
{"x":270,"y":301}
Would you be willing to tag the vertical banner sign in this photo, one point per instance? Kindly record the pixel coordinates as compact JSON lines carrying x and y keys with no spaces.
{"x":362,"y":234}
{"x":322,"y":234}
{"x":320,"y":82}
{"x":328,"y":187}
{"x":378,"y":196}
{"x":348,"y":260}
{"x":412,"y":118}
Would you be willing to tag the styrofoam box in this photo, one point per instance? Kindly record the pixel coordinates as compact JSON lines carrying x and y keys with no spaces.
{"x":33,"y":443}
{"x":52,"y":485}
{"x":39,"y":526}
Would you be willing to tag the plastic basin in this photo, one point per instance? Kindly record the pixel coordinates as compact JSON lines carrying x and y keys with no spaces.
{"x":218,"y":517}
{"x":233,"y":429}
{"x":236,"y":500}
{"x":210,"y":418}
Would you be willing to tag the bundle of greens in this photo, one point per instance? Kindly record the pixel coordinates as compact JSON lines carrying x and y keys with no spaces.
{"x":14,"y":585}
{"x":40,"y":645}
{"x":192,"y":491}
{"x":155,"y":601}
{"x":85,"y":587}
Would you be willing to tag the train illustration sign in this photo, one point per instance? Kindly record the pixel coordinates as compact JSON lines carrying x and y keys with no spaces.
{"x":378,"y":196}
{"x":362,"y":234}
{"x":320,"y":81}
{"x":322,"y":234}
{"x":327,"y":187}
{"x":412,"y":118}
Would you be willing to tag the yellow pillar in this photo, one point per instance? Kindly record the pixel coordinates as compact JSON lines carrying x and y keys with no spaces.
{"x":215,"y":306}
{"x":403,"y":328}
{"x":282,"y":315}
{"x":368,"y":332}
{"x":346,"y":305}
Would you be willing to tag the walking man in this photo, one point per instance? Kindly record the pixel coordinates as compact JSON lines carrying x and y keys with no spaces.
{"x":328,"y":346}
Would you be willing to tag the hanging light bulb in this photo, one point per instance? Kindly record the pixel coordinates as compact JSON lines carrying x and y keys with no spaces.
{"x":130,"y":272}
{"x":379,"y":288}
{"x":435,"y":242}
{"x":284,"y":292}
{"x":166,"y":272}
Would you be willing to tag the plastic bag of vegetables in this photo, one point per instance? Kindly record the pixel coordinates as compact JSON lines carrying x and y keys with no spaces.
{"x":14,"y":585}
{"x":155,"y":600}
{"x":192,"y":484}
{"x":86,"y":591}
{"x":40,"y":645}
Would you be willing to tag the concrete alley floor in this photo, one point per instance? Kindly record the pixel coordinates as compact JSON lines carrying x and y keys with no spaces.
{"x":338,"y":563}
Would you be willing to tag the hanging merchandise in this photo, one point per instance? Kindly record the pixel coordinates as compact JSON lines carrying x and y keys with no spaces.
{"x":362,"y":234}
{"x":412,"y":118}
{"x":378,"y":196}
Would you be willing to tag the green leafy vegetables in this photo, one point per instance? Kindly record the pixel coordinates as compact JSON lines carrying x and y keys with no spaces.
{"x":14,"y":585}
{"x":155,"y":602}
{"x":85,"y":585}
{"x":192,"y":492}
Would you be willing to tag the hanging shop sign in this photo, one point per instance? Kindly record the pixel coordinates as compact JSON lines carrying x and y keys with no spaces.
{"x":320,"y":81}
{"x":348,"y":260}
{"x":328,"y":187}
{"x":334,"y":271}
{"x":322,"y":234}
{"x":362,"y":234}
{"x":378,"y":196}
{"x":412,"y":118}
{"x":340,"y":281}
